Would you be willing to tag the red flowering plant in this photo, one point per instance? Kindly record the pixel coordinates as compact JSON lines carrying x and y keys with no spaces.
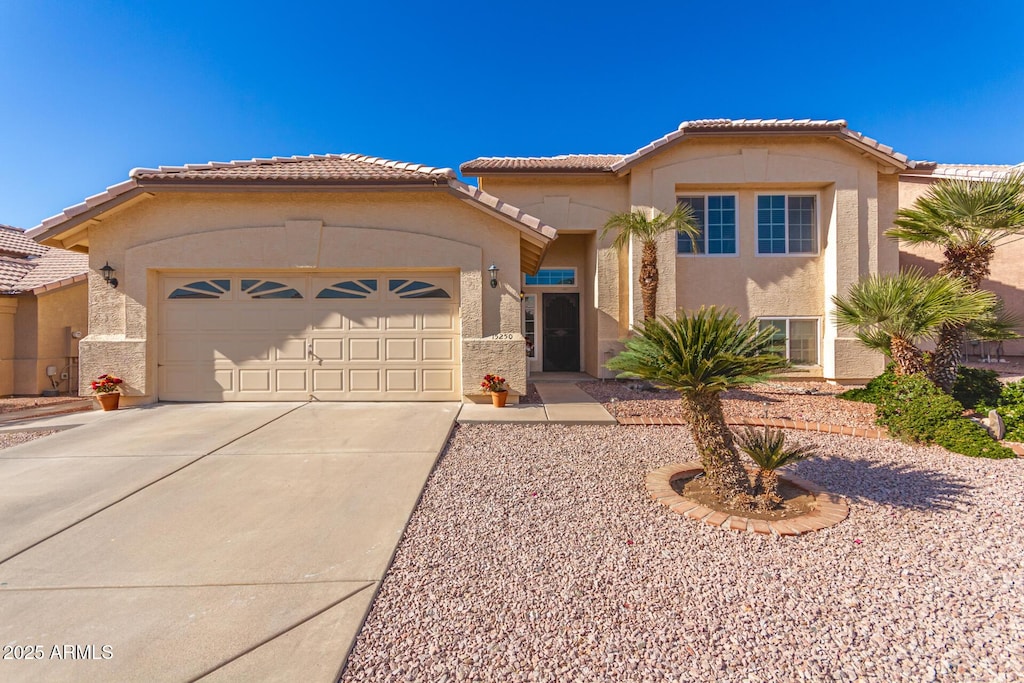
{"x":106,"y":384}
{"x":494,"y":383}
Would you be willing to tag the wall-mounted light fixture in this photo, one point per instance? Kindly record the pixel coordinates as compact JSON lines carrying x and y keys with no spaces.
{"x":108,"y":275}
{"x":493,"y":270}
{"x":522,"y":295}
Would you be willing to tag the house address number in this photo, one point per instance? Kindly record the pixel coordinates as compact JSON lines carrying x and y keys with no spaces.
{"x":503,"y":335}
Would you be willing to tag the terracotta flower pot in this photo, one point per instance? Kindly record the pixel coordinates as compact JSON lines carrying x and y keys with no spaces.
{"x":109,"y":401}
{"x":498,"y":398}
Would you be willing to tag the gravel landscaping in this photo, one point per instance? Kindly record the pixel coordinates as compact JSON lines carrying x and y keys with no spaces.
{"x":810,"y":401}
{"x":8,"y":439}
{"x":535,"y":554}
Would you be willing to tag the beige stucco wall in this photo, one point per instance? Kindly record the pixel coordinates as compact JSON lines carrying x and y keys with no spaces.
{"x":278,"y":231}
{"x":581,"y":205}
{"x":43,"y":327}
{"x":1006,"y":279}
{"x":856,"y":200}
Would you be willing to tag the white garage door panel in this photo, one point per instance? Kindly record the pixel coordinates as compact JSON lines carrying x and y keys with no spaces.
{"x":288,"y":337}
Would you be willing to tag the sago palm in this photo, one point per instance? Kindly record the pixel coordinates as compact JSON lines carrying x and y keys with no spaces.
{"x":700,"y":355}
{"x":646,"y":225}
{"x":967,"y":219}
{"x":895,"y":313}
{"x":767,"y":448}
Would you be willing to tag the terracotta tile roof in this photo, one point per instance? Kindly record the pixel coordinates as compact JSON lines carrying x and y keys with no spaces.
{"x":564,"y":163}
{"x":26,"y":265}
{"x":13,"y":242}
{"x":931,"y":169}
{"x":617,"y":163}
{"x":315,"y":168}
{"x":327,"y":169}
{"x":836,"y":127}
{"x":56,"y":267}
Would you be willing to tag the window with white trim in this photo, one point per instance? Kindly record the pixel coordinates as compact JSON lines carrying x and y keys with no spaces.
{"x":797,"y":338}
{"x":715,"y":216}
{"x":787,"y":224}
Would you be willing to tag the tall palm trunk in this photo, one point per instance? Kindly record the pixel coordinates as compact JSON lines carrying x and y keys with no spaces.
{"x":649,"y":279}
{"x":972,"y":263}
{"x":718,"y":455}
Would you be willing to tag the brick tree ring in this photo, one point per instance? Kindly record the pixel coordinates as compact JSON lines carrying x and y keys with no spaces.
{"x":827,"y":509}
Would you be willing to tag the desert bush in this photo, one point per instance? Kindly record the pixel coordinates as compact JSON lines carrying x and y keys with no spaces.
{"x":969,"y":438}
{"x":914,"y":408}
{"x":874,"y":389}
{"x":975,"y":387}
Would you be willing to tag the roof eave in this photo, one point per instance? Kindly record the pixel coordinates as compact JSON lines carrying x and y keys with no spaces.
{"x":535,"y":235}
{"x":537,"y":172}
{"x":625,"y":165}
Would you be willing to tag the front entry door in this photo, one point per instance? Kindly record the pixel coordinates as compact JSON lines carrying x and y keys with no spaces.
{"x":561,"y":332}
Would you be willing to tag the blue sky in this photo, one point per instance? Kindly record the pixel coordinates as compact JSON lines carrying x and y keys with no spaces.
{"x":89,"y":90}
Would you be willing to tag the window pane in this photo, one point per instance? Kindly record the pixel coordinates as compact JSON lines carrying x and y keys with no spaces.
{"x":779,"y":338}
{"x":563,"y":277}
{"x":803,"y":342}
{"x":802,"y":225}
{"x":771,"y":224}
{"x":684,"y":243}
{"x":721,"y":229}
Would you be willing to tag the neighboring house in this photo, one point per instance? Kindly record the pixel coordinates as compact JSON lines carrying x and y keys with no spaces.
{"x":345,"y":277}
{"x":1007,"y":276}
{"x":43,"y":313}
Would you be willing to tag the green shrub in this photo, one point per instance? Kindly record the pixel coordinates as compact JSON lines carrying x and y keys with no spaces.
{"x":874,"y":389}
{"x":969,"y":438}
{"x":1011,"y":408}
{"x":975,"y":387}
{"x":914,"y":408}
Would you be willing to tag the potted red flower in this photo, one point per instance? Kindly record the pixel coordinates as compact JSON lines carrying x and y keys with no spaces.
{"x":498,"y":389}
{"x":106,"y":389}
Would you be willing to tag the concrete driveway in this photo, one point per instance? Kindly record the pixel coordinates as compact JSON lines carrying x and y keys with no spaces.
{"x":218,"y":542}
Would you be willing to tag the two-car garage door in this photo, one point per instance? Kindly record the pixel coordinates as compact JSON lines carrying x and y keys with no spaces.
{"x":330,"y":336}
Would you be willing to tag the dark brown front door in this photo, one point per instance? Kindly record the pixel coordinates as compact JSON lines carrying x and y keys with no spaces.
{"x":561,"y":332}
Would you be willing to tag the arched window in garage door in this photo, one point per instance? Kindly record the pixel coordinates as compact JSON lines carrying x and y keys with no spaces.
{"x":417,"y":289}
{"x":349,"y":289}
{"x":202,"y":289}
{"x":268,"y":289}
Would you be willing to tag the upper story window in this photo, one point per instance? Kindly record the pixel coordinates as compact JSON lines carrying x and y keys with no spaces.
{"x":553,"y":277}
{"x":716,"y":220}
{"x":787,"y":224}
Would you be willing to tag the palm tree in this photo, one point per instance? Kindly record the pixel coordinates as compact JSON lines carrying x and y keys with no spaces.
{"x":646,"y":226}
{"x":968,"y":219}
{"x":700,"y":355}
{"x":768,"y":450}
{"x":895,"y":313}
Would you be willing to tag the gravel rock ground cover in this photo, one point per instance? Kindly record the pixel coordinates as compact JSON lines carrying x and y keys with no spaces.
{"x":8,"y":439}
{"x":535,"y":554}
{"x":810,"y":401}
{"x":8,"y":405}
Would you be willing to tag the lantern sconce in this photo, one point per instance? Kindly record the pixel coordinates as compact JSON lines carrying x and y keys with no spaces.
{"x":493,"y":270}
{"x":108,"y":275}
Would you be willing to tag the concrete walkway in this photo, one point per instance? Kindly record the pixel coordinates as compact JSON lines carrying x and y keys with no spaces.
{"x":561,"y":403}
{"x":214,"y":542}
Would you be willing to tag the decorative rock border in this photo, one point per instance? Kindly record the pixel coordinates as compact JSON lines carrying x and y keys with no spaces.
{"x":829,"y":509}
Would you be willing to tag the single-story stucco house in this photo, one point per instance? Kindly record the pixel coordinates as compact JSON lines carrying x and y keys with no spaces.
{"x":43,"y":314}
{"x":349,"y":277}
